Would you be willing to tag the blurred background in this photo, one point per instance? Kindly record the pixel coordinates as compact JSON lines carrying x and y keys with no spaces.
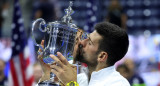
{"x":140,"y":18}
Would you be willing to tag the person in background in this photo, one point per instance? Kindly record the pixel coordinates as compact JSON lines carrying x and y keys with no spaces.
{"x":116,"y":15}
{"x":3,"y":78}
{"x":3,"y":7}
{"x":37,"y":73}
{"x":45,"y":9}
{"x":134,"y":78}
{"x":123,"y":70}
{"x":1,"y":20}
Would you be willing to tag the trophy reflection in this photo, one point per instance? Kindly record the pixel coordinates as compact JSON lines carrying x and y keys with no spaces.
{"x":60,"y":37}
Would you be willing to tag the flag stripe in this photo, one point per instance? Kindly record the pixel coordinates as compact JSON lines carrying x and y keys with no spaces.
{"x":23,"y":68}
{"x":13,"y":73}
{"x":10,"y":78}
{"x":29,"y":71}
{"x":17,"y":65}
{"x":28,"y":61}
{"x":30,"y":81}
{"x":159,"y":66}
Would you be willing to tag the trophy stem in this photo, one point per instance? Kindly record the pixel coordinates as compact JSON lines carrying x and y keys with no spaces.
{"x":52,"y":82}
{"x":52,"y":76}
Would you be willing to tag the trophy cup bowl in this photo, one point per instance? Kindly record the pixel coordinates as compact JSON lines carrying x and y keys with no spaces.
{"x":61,"y":39}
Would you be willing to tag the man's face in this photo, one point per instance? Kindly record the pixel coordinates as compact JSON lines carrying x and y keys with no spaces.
{"x":87,"y":49}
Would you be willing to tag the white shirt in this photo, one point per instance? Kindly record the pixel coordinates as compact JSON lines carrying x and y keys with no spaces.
{"x":104,"y":77}
{"x":82,"y":79}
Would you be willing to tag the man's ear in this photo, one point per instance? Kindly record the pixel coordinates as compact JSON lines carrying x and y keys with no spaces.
{"x":102,"y":57}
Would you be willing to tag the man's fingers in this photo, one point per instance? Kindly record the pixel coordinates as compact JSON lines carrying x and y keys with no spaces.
{"x":55,"y":67}
{"x":40,"y":50}
{"x":54,"y":71}
{"x":42,"y":44}
{"x":58,"y":62}
{"x":62,"y":58}
{"x":54,"y":63}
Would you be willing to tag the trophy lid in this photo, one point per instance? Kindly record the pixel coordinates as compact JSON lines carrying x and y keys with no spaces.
{"x":67,"y":18}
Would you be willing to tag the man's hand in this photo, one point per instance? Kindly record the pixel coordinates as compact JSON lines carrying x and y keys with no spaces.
{"x":45,"y":67}
{"x":62,"y":69}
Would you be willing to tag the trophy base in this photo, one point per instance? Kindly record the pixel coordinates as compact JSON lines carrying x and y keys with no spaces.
{"x":48,"y":83}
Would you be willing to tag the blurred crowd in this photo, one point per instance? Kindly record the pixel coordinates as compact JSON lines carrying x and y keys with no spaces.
{"x":135,"y":67}
{"x":127,"y":70}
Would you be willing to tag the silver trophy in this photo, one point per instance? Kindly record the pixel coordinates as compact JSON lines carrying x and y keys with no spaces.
{"x":61,"y":38}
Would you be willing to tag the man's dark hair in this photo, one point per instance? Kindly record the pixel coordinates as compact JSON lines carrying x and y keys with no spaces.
{"x":114,"y":41}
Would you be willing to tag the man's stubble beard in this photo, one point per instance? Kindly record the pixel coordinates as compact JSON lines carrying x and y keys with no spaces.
{"x":1,"y":72}
{"x":81,"y":58}
{"x":79,"y":54}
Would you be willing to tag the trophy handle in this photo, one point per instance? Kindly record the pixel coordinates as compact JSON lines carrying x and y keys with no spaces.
{"x":42,"y":28}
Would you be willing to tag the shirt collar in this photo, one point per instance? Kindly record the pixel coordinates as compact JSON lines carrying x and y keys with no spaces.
{"x":103,"y":72}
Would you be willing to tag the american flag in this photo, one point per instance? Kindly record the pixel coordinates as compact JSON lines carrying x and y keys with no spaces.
{"x":91,"y":15}
{"x":159,"y":59}
{"x":20,"y":67}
